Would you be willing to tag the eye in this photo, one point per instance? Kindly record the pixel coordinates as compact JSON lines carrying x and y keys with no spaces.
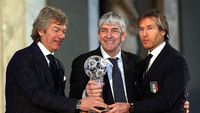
{"x":64,"y":31}
{"x":115,"y":31}
{"x":141,"y":29}
{"x":103,"y":30}
{"x":56,"y":29}
{"x":149,"y":28}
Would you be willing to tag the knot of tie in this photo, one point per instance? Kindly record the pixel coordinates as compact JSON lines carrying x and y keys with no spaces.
{"x":147,"y":60}
{"x":51,"y":57}
{"x":146,"y":64}
{"x":113,"y":60}
{"x":149,"y":56}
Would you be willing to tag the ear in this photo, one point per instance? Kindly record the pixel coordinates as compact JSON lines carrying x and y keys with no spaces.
{"x":41,"y":32}
{"x":123,"y":36}
{"x":163,"y":33}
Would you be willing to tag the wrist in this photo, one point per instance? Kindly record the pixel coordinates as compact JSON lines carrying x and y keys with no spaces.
{"x":78,"y":104}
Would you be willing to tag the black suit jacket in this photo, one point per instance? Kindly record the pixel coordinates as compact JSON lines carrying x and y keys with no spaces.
{"x":79,"y":79}
{"x":30,"y":87}
{"x":170,"y":73}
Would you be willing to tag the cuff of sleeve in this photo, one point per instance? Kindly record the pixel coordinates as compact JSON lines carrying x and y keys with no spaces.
{"x":131,"y":109}
{"x":84,"y":94}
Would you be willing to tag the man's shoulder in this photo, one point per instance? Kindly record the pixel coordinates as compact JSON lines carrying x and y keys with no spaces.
{"x":25,"y":51}
{"x":172,"y":52}
{"x":130,"y":56}
{"x":86,"y":55}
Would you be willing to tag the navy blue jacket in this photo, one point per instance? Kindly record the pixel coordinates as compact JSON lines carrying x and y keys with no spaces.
{"x":169,"y":74}
{"x":30,"y":87}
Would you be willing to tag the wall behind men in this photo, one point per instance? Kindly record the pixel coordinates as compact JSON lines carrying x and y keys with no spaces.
{"x":189,"y":28}
{"x":76,"y":40}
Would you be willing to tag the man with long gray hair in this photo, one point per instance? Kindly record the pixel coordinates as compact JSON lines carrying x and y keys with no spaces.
{"x":35,"y":78}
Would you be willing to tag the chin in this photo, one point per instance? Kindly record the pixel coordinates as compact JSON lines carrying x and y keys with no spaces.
{"x":56,"y":49}
{"x":146,"y":47}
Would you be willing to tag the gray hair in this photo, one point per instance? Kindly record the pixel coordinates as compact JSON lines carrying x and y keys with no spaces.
{"x":113,"y":18}
{"x":44,"y":19}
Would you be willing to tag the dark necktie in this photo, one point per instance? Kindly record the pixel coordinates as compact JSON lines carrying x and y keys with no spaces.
{"x":118,"y":88}
{"x":54,"y":70}
{"x":146,"y":64}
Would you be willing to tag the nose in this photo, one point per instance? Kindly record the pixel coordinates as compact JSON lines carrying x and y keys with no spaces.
{"x":144,"y":33}
{"x":109,"y":34}
{"x":61,"y":35}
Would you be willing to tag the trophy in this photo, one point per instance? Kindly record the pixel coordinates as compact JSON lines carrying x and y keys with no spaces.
{"x":95,"y":68}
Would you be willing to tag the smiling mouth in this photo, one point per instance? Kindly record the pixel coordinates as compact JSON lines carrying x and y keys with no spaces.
{"x":145,"y":41}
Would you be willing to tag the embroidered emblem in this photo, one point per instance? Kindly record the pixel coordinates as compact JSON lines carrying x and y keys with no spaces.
{"x":154,"y":86}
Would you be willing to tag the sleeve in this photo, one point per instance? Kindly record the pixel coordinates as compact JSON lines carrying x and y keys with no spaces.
{"x":78,"y":78}
{"x":28,"y":76}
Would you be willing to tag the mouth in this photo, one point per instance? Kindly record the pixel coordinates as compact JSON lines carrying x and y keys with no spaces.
{"x":59,"y":42}
{"x":110,"y":42}
{"x":145,"y":40}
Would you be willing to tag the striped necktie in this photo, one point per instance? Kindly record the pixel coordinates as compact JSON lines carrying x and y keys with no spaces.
{"x":118,"y":89}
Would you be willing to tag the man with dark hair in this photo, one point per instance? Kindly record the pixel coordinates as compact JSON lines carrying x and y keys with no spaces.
{"x":164,"y":74}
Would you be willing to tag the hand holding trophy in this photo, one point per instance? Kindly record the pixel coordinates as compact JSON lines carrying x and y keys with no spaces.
{"x":95,"y":68}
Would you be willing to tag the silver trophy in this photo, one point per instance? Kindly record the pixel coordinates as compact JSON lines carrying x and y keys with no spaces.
{"x":95,"y":68}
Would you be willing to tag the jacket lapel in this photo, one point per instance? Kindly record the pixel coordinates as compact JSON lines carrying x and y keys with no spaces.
{"x":159,"y":60}
{"x":42,"y":65}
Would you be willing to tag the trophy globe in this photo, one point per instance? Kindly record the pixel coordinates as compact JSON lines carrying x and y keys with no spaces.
{"x":95,"y":68}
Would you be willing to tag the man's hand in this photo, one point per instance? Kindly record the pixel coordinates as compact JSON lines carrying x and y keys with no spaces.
{"x":186,"y":106}
{"x":92,"y":103}
{"x":119,"y":107}
{"x":93,"y":89}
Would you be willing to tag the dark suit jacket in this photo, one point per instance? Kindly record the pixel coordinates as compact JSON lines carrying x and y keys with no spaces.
{"x":30,"y":87}
{"x":170,"y":73}
{"x":79,"y":79}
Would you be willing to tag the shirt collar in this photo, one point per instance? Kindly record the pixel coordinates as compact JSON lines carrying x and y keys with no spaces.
{"x":106,"y":56}
{"x":44,"y":50}
{"x":157,"y":50}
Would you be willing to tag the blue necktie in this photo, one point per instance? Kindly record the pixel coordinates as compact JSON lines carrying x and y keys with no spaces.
{"x":118,"y":89}
{"x":54,"y":70}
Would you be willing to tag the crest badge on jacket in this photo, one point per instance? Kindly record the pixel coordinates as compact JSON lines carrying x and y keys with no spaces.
{"x":154,"y":86}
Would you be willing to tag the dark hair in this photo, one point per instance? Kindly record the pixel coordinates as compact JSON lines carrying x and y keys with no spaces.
{"x":44,"y":18}
{"x":161,"y":20}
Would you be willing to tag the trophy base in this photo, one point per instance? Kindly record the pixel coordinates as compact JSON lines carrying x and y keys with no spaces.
{"x":103,"y":110}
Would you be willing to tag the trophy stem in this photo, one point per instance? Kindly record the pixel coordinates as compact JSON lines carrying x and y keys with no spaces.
{"x":98,"y":81}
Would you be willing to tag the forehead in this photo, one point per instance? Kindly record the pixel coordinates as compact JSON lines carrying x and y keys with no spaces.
{"x":57,"y":24}
{"x":106,"y":25}
{"x":147,"y":21}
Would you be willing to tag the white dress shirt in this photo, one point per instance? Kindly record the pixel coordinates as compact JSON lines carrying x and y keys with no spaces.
{"x":155,"y":53}
{"x":109,"y":69}
{"x":45,"y":51}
